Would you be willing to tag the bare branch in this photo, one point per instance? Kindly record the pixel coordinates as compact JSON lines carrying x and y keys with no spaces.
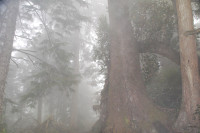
{"x":30,"y":59}
{"x":23,"y":50}
{"x":23,"y":37}
{"x":28,"y":54}
{"x":14,"y":62}
{"x":20,"y":58}
{"x":192,"y":32}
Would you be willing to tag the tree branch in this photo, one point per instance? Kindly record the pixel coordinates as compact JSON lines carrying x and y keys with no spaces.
{"x":23,"y":37}
{"x":43,"y":22}
{"x":28,"y":54}
{"x":23,"y":50}
{"x":161,"y":49}
{"x":192,"y":32}
{"x":14,"y":62}
{"x":19,"y":58}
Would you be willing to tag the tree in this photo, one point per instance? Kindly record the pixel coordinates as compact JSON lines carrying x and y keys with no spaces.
{"x":74,"y":101}
{"x":52,"y":48}
{"x":101,"y":50}
{"x":8,"y":24}
{"x":129,"y":109}
{"x":52,"y":72}
{"x":189,"y":67}
{"x":153,"y":45}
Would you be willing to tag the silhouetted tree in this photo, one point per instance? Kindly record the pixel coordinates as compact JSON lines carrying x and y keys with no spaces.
{"x":7,"y":32}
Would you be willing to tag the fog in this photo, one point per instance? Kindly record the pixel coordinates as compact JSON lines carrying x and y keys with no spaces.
{"x":34,"y":95}
{"x":99,"y":66}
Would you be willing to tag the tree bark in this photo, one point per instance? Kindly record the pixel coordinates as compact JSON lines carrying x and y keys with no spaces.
{"x":6,"y":42}
{"x":129,"y":109}
{"x":189,"y":68}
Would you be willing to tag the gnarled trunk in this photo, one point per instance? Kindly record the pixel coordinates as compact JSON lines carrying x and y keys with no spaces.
{"x":189,"y":67}
{"x":129,"y":109}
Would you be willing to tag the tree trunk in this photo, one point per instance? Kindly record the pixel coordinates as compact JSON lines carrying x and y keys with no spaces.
{"x":6,"y":45}
{"x":129,"y":109}
{"x":189,"y":67}
{"x":74,"y":102}
{"x":39,"y":113}
{"x":74,"y":112}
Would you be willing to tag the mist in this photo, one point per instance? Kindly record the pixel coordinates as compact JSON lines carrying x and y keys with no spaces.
{"x":99,"y":66}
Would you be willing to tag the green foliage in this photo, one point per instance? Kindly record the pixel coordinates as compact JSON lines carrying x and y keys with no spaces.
{"x":53,"y":68}
{"x":69,"y":17}
{"x":101,"y":50}
{"x":153,"y":21}
{"x":165,"y":89}
{"x":55,"y":71}
{"x":150,"y":66}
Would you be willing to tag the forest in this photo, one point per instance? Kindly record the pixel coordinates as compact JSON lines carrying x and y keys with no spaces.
{"x":99,"y":66}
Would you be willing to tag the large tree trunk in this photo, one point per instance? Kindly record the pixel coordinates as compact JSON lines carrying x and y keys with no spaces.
{"x":6,"y":44}
{"x":129,"y":109}
{"x":189,"y":67}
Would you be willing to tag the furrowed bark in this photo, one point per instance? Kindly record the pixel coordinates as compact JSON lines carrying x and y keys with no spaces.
{"x":189,"y":69}
{"x":129,"y":109}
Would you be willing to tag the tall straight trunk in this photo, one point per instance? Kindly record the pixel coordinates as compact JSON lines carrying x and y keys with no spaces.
{"x":39,"y":113}
{"x":51,"y":110}
{"x":74,"y":112}
{"x":6,"y":41}
{"x":129,"y":109}
{"x":74,"y":102}
{"x":189,"y":67}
